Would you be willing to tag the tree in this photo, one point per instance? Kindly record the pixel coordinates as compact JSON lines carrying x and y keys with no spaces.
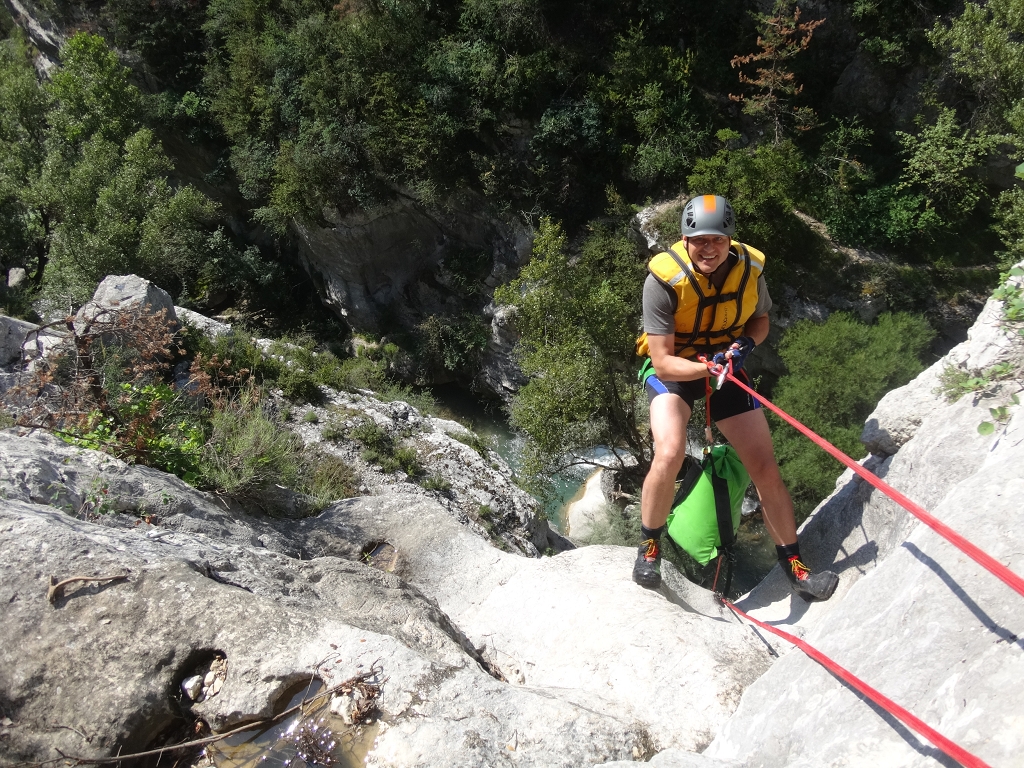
{"x":24,"y":228}
{"x":984,"y":45}
{"x":781,"y":36}
{"x":838,"y":371}
{"x":939,"y":161}
{"x":578,"y":311}
{"x":84,"y":186}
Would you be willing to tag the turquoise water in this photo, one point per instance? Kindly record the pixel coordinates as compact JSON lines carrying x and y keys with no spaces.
{"x":488,"y":420}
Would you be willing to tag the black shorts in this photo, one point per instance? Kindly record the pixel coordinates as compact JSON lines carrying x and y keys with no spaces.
{"x":730,"y":400}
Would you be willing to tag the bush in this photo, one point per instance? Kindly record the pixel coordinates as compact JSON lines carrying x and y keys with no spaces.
{"x":327,"y":478}
{"x":436,"y":483}
{"x":453,"y":343}
{"x":380,"y":449}
{"x":249,"y":450}
{"x":578,"y":313}
{"x":838,"y":371}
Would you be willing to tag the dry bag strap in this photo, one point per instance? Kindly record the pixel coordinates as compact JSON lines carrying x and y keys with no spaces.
{"x":723,"y":507}
{"x":694,"y":469}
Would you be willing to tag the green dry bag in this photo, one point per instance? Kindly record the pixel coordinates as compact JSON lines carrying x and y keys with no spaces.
{"x":706,"y":509}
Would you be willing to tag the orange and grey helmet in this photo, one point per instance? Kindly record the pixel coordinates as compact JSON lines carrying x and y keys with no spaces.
{"x":708,"y":215}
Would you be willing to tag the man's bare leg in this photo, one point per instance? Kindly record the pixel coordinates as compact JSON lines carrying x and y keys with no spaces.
{"x":749,"y":435}
{"x":669,"y":416}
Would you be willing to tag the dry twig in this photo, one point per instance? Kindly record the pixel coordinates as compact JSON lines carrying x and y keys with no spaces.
{"x":56,"y":590}
{"x":359,"y":681}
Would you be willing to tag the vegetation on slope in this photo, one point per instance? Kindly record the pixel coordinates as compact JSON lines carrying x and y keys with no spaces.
{"x":525,"y":109}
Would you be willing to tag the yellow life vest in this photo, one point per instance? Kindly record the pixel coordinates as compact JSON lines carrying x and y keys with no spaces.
{"x":707,"y":318}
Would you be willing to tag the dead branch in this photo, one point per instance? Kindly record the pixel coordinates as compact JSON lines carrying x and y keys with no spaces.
{"x":56,"y":590}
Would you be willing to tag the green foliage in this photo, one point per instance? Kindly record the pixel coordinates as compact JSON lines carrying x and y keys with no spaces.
{"x":453,"y":343}
{"x":380,"y":448}
{"x":984,"y":45}
{"x":939,"y":161}
{"x":578,"y":316}
{"x":1012,"y":295}
{"x":84,"y":187}
{"x":119,"y":215}
{"x":249,"y":450}
{"x":474,"y":441}
{"x":22,"y":134}
{"x":648,"y":99}
{"x":837,"y":373}
{"x":895,"y":31}
{"x":1009,"y":226}
{"x":147,"y":424}
{"x":955,"y":382}
{"x":167,"y":34}
{"x":92,"y":94}
{"x":436,"y":483}
{"x":326,"y":478}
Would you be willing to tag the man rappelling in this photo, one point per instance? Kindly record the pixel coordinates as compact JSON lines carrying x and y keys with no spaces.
{"x":706,"y":296}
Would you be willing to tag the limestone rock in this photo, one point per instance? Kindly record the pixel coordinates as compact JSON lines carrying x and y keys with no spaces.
{"x":499,"y":372}
{"x":125,"y":292}
{"x":913,"y":616}
{"x":210,"y":327}
{"x":201,"y":587}
{"x":569,"y":622}
{"x":16,"y":277}
{"x":13,"y":333}
{"x":473,"y":476}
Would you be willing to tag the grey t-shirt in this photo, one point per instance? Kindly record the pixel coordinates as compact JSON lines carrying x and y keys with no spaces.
{"x":659,"y":305}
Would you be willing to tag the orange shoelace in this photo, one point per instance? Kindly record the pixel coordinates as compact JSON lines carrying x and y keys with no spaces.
{"x":800,"y":571}
{"x":652,"y":550}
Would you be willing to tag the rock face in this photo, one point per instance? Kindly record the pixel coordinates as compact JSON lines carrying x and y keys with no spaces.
{"x":913,"y":616}
{"x":390,"y":266}
{"x":208,"y":581}
{"x":475,"y":482}
{"x":492,"y":658}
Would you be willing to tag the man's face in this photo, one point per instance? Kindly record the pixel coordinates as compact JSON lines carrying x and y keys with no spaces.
{"x":707,"y":252}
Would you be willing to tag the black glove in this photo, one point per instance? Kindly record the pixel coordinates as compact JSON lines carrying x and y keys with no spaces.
{"x":739,"y":350}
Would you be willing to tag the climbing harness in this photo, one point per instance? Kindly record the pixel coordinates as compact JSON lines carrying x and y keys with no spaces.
{"x":952,"y":749}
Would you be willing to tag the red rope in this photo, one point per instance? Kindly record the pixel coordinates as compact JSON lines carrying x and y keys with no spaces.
{"x":951,"y":748}
{"x":986,"y":561}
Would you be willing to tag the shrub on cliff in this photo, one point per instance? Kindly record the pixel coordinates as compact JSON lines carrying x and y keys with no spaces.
{"x":838,"y":371}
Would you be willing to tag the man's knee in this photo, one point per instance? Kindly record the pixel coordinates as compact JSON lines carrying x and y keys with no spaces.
{"x":669,"y":454}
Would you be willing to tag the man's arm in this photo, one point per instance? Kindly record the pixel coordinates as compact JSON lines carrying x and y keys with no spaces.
{"x":757,"y":328}
{"x":667,"y":366}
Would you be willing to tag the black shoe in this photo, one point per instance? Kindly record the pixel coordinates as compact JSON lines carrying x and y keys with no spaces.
{"x":812,"y":587}
{"x":647,"y":569}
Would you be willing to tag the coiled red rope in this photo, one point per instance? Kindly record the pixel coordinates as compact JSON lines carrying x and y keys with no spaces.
{"x":986,"y":561}
{"x":951,"y":748}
